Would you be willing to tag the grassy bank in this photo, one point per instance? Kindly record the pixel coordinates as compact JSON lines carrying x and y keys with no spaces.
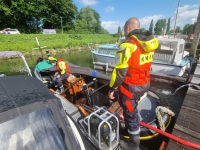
{"x":26,"y":42}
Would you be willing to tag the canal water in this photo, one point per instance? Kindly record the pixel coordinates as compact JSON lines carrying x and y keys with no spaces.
{"x":16,"y":66}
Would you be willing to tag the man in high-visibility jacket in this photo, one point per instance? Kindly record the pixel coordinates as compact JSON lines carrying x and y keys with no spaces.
{"x":63,"y":72}
{"x":131,"y":75}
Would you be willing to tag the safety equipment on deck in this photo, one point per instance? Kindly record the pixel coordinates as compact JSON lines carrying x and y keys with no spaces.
{"x":104,"y":127}
{"x":184,"y":142}
{"x":159,"y":111}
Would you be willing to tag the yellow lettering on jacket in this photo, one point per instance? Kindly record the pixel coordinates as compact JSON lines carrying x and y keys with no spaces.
{"x":146,"y":58}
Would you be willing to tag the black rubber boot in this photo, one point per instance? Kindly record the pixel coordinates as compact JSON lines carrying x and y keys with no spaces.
{"x":132,"y":144}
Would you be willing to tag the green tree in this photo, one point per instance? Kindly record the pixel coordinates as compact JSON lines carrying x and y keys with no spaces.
{"x":160,"y":26}
{"x":56,"y":9}
{"x":142,"y":30}
{"x":97,"y":26}
{"x":151,"y":26}
{"x":91,"y":19}
{"x":87,"y":14}
{"x":191,"y":29}
{"x":104,"y":31}
{"x":178,"y":29}
{"x":168,"y":25}
{"x":23,"y":15}
{"x":28,"y":15}
{"x":80,"y":26}
{"x":186,"y":29}
{"x":119,"y":30}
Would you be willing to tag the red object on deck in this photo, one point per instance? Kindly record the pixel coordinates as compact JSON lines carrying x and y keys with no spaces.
{"x":163,"y":146}
{"x":187,"y":143}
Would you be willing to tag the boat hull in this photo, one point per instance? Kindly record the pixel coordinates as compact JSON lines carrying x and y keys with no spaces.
{"x":168,"y":69}
{"x":104,"y":58}
{"x":156,"y":67}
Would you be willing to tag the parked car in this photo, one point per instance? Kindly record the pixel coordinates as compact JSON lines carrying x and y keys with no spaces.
{"x":9,"y":31}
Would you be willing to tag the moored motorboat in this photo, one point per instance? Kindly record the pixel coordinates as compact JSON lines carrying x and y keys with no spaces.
{"x":86,"y":91}
{"x":169,"y":58}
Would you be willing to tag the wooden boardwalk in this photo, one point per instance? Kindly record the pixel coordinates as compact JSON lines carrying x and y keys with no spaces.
{"x":187,"y":125}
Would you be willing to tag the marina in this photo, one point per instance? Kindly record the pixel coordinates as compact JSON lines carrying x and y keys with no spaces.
{"x":169,"y":58}
{"x":157,"y":87}
{"x":94,"y":75}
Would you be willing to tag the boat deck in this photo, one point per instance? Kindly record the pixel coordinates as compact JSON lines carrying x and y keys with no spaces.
{"x":187,"y":124}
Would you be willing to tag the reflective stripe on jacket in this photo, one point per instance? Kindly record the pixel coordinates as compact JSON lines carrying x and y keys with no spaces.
{"x":62,"y":67}
{"x":133,"y":60}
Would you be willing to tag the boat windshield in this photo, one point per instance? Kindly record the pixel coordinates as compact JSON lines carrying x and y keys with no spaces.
{"x":164,"y":53}
{"x":36,"y":130}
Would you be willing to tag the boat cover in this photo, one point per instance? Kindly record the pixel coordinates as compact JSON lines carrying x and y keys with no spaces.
{"x":44,"y":66}
{"x":31,"y":117}
{"x":10,"y":53}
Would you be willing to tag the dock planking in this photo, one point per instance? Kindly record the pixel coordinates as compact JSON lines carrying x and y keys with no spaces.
{"x":187,"y":124}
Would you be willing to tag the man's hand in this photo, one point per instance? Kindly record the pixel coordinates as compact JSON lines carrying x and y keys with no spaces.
{"x":58,"y":76}
{"x":111,"y":95}
{"x":55,"y":73}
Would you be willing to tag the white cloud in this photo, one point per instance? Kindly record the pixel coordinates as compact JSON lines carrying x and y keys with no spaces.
{"x":109,"y":9}
{"x":145,"y":22}
{"x":112,"y":26}
{"x":88,"y":2}
{"x":185,"y":15}
{"x":196,"y":5}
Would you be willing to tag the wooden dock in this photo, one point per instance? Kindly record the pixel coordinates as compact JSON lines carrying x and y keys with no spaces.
{"x":187,"y":125}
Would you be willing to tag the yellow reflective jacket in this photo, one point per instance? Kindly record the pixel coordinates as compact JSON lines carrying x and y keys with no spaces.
{"x":62,"y":67}
{"x":133,"y":59}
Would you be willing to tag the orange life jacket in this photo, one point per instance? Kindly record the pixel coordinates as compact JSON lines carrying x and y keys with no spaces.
{"x":67,"y":67}
{"x":139,"y":65}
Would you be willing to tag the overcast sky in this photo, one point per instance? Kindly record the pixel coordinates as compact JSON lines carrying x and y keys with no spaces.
{"x":114,"y":13}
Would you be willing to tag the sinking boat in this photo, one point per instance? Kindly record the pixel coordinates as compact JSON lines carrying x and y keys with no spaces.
{"x":85,"y":100}
{"x":169,"y":58}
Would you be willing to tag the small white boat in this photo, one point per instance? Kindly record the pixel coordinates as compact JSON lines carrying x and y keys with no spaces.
{"x":169,"y":58}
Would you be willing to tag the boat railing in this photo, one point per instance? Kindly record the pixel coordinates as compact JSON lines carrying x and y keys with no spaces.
{"x":93,"y":46}
{"x":15,"y":53}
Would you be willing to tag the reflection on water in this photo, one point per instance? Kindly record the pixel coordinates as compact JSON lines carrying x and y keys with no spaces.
{"x":84,"y":58}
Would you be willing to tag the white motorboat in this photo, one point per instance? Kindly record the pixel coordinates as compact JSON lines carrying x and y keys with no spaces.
{"x":169,"y":58}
